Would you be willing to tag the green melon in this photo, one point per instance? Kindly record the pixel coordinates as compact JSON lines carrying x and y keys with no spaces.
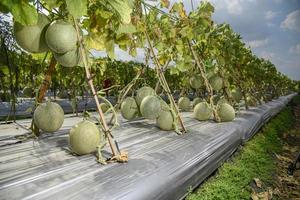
{"x":216,"y":83}
{"x":28,"y":92}
{"x":142,"y":93}
{"x":184,"y":103}
{"x":165,"y":119}
{"x":104,"y":107}
{"x":203,"y":111}
{"x":222,"y":100}
{"x":32,"y":37}
{"x":84,"y":138}
{"x":226,"y":112}
{"x":48,"y":116}
{"x":150,"y":107}
{"x":61,"y":37}
{"x":129,"y":108}
{"x":69,"y":59}
{"x":196,"y":101}
{"x":237,"y":95}
{"x":196,"y":82}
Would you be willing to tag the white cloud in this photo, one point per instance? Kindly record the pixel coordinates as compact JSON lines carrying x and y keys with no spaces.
{"x":268,"y":55}
{"x":292,"y":21}
{"x":233,"y":7}
{"x":295,"y":49}
{"x":258,"y":43}
{"x":270,"y":15}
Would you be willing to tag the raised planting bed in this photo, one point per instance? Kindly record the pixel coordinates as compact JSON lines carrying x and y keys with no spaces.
{"x":162,"y":165}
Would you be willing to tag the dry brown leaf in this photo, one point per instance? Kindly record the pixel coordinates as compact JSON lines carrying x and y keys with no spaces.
{"x":258,"y":182}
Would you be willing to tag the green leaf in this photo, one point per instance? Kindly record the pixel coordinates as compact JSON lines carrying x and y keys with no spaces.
{"x":24,"y":13}
{"x":123,"y":8}
{"x":110,"y":48}
{"x":77,"y":8}
{"x":6,"y":6}
{"x":126,"y":28}
{"x":51,"y":4}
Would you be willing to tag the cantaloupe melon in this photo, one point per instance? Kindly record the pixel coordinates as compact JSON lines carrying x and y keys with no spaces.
{"x":104,"y":107}
{"x":196,"y":81}
{"x":184,"y":103}
{"x":129,"y":108}
{"x":202,"y":111}
{"x":68,"y":59}
{"x":165,"y":119}
{"x":226,"y":112}
{"x":150,"y":107}
{"x":216,"y":82}
{"x":142,"y":93}
{"x":196,"y":101}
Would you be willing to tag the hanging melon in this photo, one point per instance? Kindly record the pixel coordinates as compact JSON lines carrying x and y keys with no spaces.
{"x":237,"y":94}
{"x":226,"y":112}
{"x":32,"y":37}
{"x":84,"y":138}
{"x":196,"y":81}
{"x":68,"y":59}
{"x":165,"y":119}
{"x":184,"y":103}
{"x":216,"y":82}
{"x":202,"y":111}
{"x":129,"y":108}
{"x":48,"y":116}
{"x":61,"y":37}
{"x":104,"y":107}
{"x":196,"y":101}
{"x":142,"y":93}
{"x":150,"y":107}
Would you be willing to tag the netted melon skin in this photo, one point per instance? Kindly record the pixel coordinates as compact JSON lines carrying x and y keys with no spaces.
{"x":48,"y":117}
{"x":226,"y":112}
{"x":68,"y":59}
{"x":84,"y":138}
{"x":32,"y":38}
{"x":142,"y":93}
{"x":184,"y":103}
{"x":216,"y":83}
{"x":61,"y":37}
{"x":196,"y":82}
{"x":150,"y":107}
{"x":165,"y":120}
{"x":202,"y":111}
{"x":129,"y":108}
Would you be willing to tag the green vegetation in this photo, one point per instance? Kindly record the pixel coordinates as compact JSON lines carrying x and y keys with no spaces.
{"x":255,"y":160}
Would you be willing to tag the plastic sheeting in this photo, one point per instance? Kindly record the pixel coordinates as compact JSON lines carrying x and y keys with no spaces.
{"x":162,"y":165}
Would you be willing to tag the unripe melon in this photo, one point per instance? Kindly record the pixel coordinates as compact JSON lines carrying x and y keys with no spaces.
{"x":165,"y":119}
{"x":237,"y":94}
{"x":61,"y":37}
{"x":216,"y":83}
{"x":202,"y":111}
{"x":226,"y":112}
{"x":196,"y":101}
{"x":32,"y":37}
{"x":222,"y":100}
{"x":84,"y":138}
{"x":129,"y":108}
{"x":142,"y":93}
{"x":28,"y":92}
{"x":184,"y":103}
{"x":68,"y":59}
{"x":196,"y":81}
{"x":48,"y":116}
{"x":104,"y":107}
{"x":150,"y":107}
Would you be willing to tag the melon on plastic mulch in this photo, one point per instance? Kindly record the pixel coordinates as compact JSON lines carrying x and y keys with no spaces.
{"x":196,"y":101}
{"x":61,"y":37}
{"x":165,"y":119}
{"x":48,"y":116}
{"x":32,"y":37}
{"x":202,"y":111}
{"x":142,"y":93}
{"x":150,"y":107}
{"x":226,"y":112}
{"x":129,"y":108}
{"x":84,"y":138}
{"x":184,"y":103}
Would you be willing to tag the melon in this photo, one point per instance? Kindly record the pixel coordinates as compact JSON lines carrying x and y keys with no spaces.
{"x":216,"y":83}
{"x":202,"y":111}
{"x":104,"y":107}
{"x":84,"y":138}
{"x":48,"y":116}
{"x":184,"y":103}
{"x":68,"y":59}
{"x":28,"y":92}
{"x":142,"y":93}
{"x":196,"y":82}
{"x":150,"y":107}
{"x":226,"y":112}
{"x":222,"y":100}
{"x":196,"y":101}
{"x":129,"y":108}
{"x":165,"y":119}
{"x":237,"y":94}
{"x":61,"y":37}
{"x":32,"y":37}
